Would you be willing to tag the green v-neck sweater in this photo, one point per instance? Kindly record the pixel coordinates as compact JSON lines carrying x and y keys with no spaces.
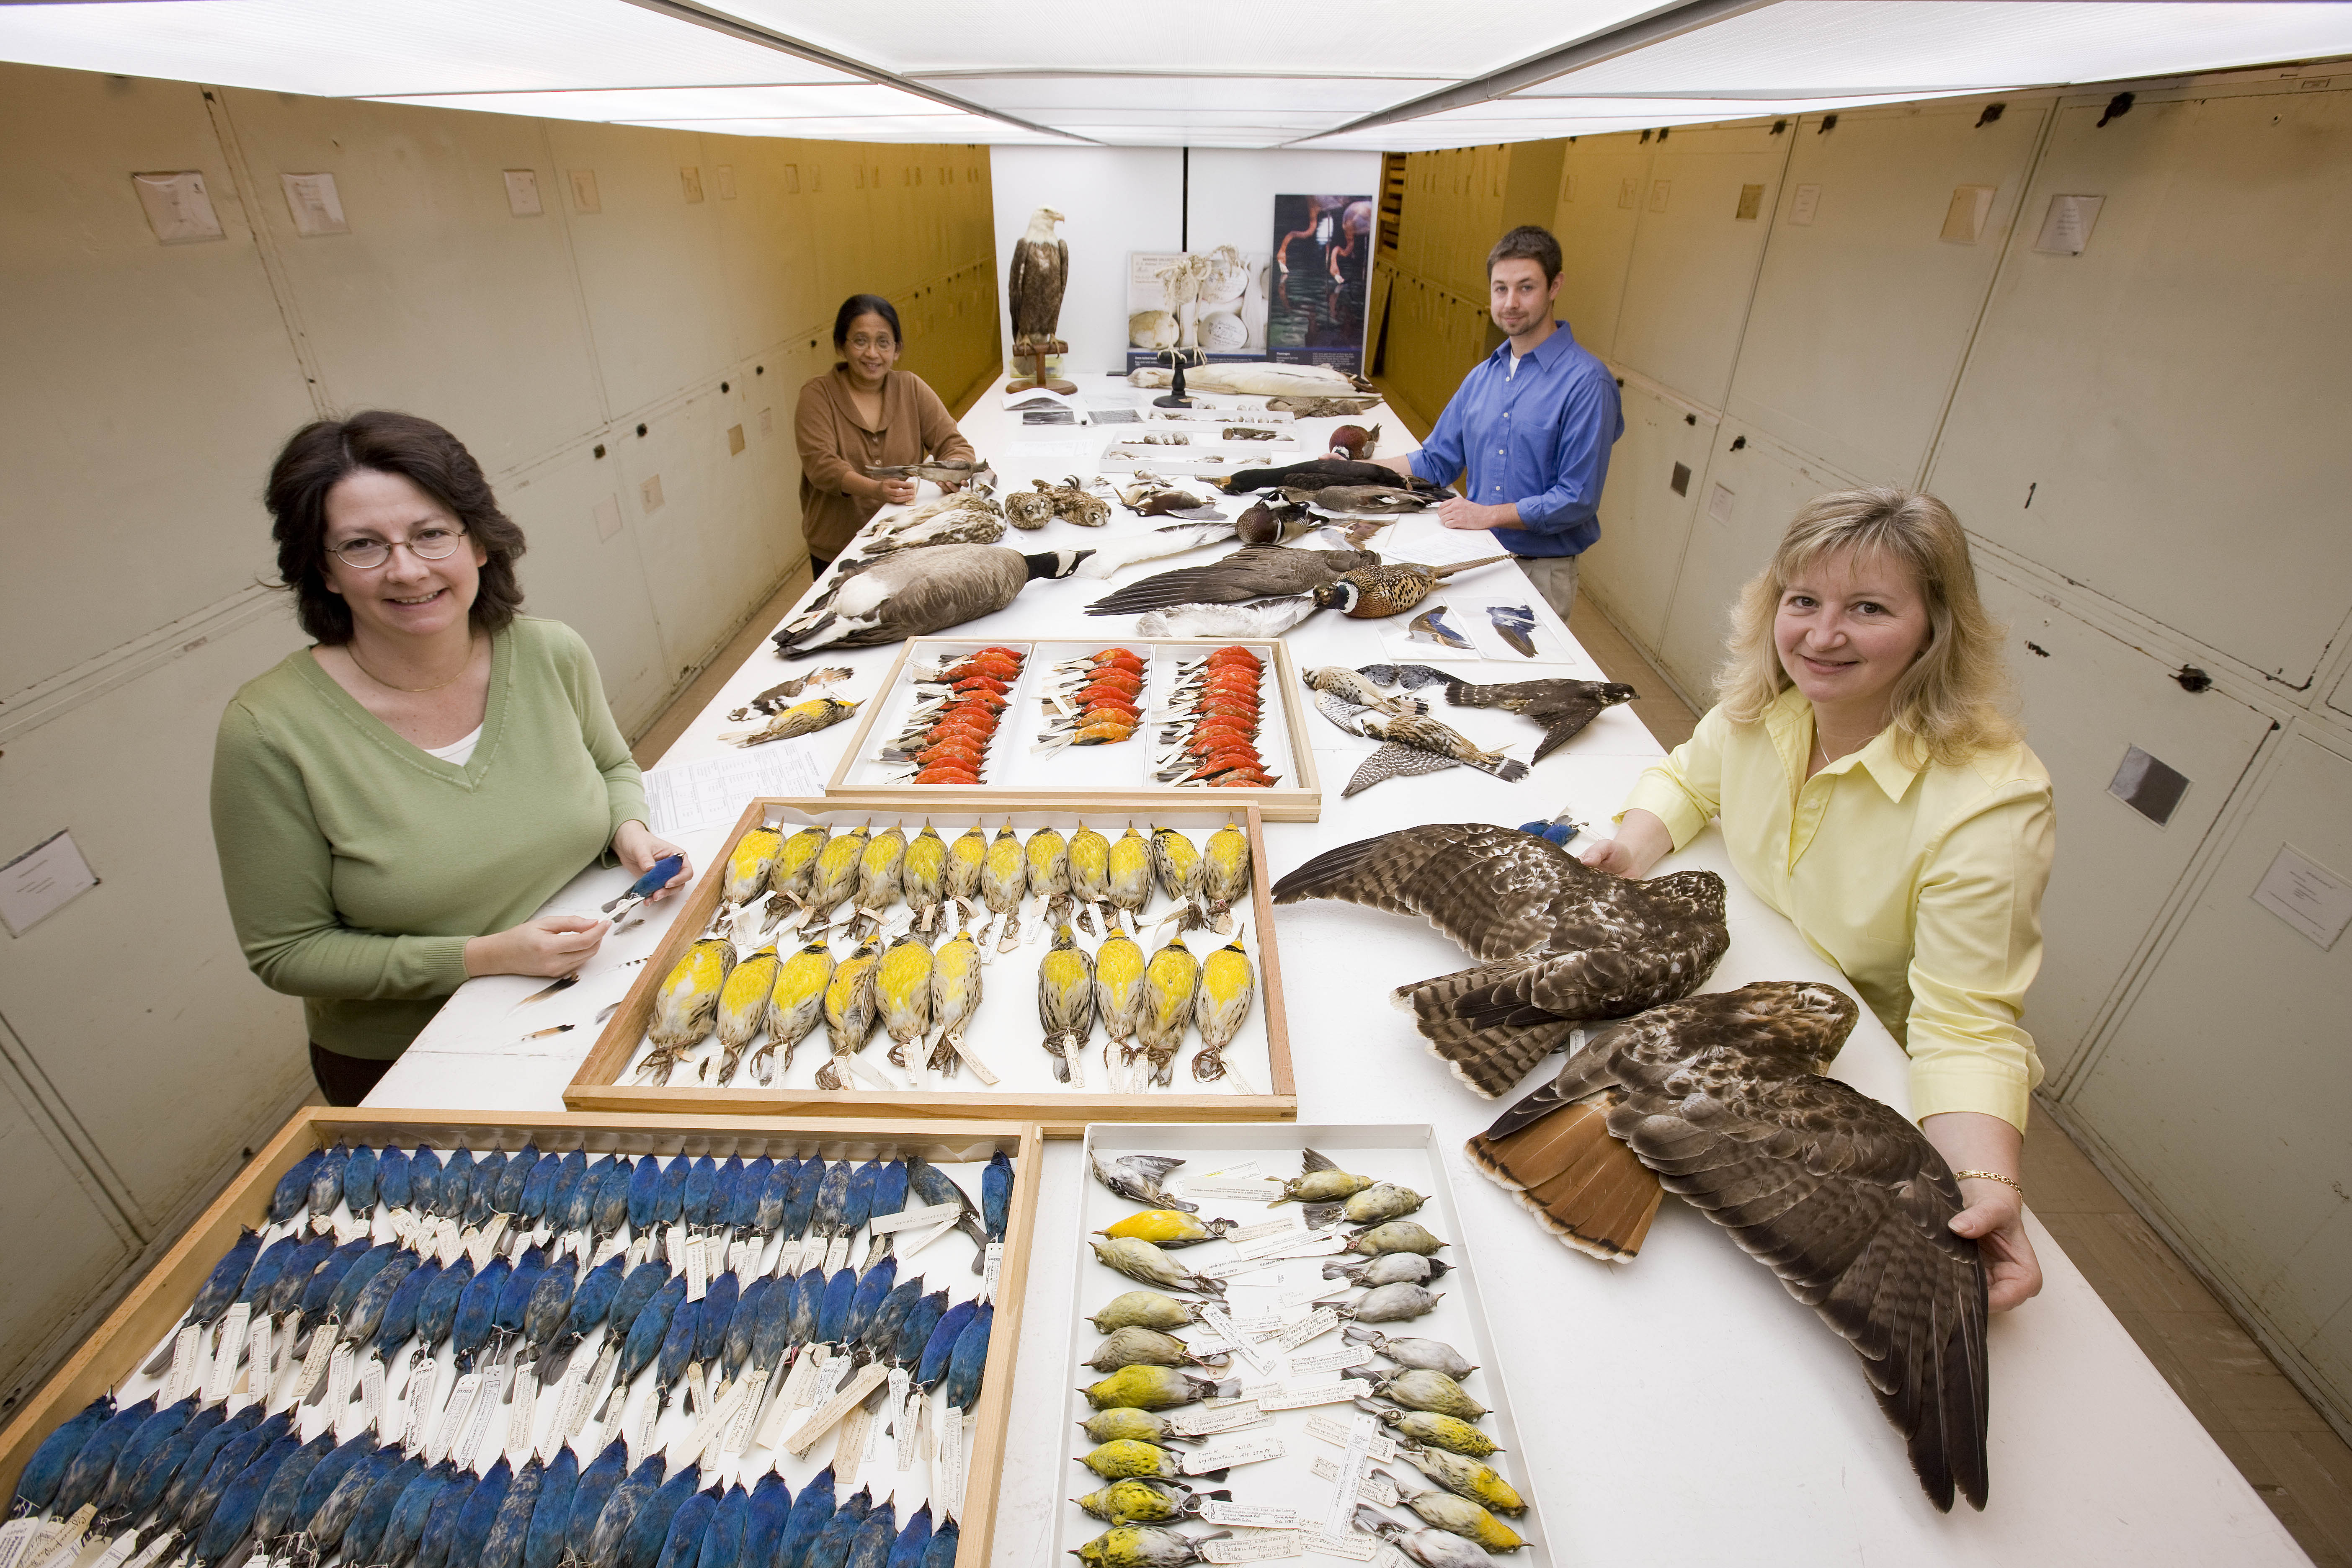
{"x":357,"y":866}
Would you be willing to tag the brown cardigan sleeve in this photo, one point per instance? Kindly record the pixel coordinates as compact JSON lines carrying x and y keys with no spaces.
{"x":823,"y":465}
{"x":941,"y":436}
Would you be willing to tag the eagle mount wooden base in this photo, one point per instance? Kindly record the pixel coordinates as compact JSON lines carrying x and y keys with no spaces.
{"x":1035,"y":353}
{"x":1176,"y":360}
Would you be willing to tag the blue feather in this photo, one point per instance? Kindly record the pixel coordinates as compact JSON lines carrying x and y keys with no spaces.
{"x":913,"y":1541}
{"x":940,"y":1346}
{"x":682,"y":1546}
{"x":551,"y":1516}
{"x":811,"y":1512}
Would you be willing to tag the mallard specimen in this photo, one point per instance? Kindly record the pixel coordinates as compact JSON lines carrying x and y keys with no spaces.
{"x":912,"y":593}
{"x":1558,"y":944}
{"x":1723,"y":1097}
{"x":1562,"y":707}
{"x":1369,"y":592}
{"x":1322,"y":473}
{"x":1358,"y":501}
{"x":1253,"y":572}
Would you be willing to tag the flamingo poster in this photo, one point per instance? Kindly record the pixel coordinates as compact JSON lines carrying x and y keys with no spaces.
{"x":1320,"y":281}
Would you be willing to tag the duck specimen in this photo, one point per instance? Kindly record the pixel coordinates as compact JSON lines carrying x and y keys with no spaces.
{"x":1558,"y":944}
{"x":1253,"y":572}
{"x":1356,"y":501}
{"x":1844,"y":1199}
{"x":913,"y":593}
{"x":1322,"y":473}
{"x":1354,"y":443}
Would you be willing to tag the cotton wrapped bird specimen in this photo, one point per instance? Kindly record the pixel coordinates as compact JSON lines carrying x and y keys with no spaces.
{"x":1843,"y":1196}
{"x":685,"y":1006}
{"x":1558,"y":944}
{"x":1066,"y":1004}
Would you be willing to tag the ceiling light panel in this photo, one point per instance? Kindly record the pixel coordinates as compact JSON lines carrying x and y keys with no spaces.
{"x":1367,"y":38}
{"x":360,"y":48}
{"x":1658,"y":111}
{"x":947,"y":128}
{"x":690,"y":102}
{"x":1912,"y":46}
{"x":1048,"y":96}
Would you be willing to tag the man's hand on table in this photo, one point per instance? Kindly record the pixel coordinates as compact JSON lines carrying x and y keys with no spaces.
{"x":1455,"y":511}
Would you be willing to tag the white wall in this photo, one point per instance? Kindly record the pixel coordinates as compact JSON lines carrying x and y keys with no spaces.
{"x":1116,"y":200}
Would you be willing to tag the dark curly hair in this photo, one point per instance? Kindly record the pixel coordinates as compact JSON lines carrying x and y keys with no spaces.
{"x":323,"y":453}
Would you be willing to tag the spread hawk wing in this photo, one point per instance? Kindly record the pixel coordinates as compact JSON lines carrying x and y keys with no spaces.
{"x":1495,"y":890}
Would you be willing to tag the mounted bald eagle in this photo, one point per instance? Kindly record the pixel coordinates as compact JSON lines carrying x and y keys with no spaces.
{"x":1040,"y":271}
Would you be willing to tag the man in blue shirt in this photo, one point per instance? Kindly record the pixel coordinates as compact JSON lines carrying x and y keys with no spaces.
{"x":1532,"y":425}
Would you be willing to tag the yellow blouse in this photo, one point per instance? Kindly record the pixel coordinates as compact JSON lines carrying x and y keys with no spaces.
{"x":1923,"y":885}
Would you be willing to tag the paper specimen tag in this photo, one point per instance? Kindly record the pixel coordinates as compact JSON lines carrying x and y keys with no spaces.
{"x":13,"y":1537}
{"x":1200,"y":1423}
{"x":909,"y":1249}
{"x":715,"y":1419}
{"x":1316,"y":1294}
{"x":1223,"y":1326}
{"x":119,"y":1550}
{"x":1223,"y":1455}
{"x":1330,"y":1361}
{"x":648,"y":1417}
{"x":849,"y":1448}
{"x":260,"y":1353}
{"x":697,"y":1270}
{"x":1373,"y":1489}
{"x":1289,"y":1222}
{"x":674,"y":1244}
{"x":1247,"y":1170}
{"x":914,"y":1218}
{"x":902,"y":1419}
{"x":156,"y":1549}
{"x":372,"y":1392}
{"x":739,"y":1256}
{"x":990,"y":1269}
{"x":1238,"y":1191}
{"x":833,"y":1410}
{"x":1264,"y":1548}
{"x":1228,"y":1267}
{"x":420,"y":1401}
{"x":1379,"y":1445}
{"x":340,"y":1370}
{"x":478,"y":1425}
{"x":219,"y":1378}
{"x":1339,"y":1520}
{"x":1350,"y":1544}
{"x":754,"y":1390}
{"x":837,"y":1256}
{"x":188,"y":1353}
{"x":569,"y":1395}
{"x":454,"y":1418}
{"x":971,"y":1059}
{"x":1252,"y":1515}
{"x":1250,"y":1393}
{"x":1276,"y":1243}
{"x":951,"y":1476}
{"x":66,"y":1543}
{"x":1338,"y":1392}
{"x":1322,"y":1321}
{"x":448,"y":1241}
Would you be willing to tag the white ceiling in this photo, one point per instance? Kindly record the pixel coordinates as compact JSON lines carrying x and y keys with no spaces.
{"x":1219,"y":73}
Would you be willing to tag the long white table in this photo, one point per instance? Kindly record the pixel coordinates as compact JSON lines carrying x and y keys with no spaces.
{"x":1681,"y":1409}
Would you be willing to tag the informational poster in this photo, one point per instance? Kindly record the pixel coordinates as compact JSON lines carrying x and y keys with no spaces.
{"x":1320,"y":281}
{"x":1211,"y":300}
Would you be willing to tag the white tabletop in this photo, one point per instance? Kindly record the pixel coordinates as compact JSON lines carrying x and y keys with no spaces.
{"x":1678,"y":1409}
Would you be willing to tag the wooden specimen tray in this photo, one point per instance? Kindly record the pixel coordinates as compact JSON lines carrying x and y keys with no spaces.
{"x":1085,"y":777}
{"x":112,"y":1357}
{"x":1004,"y":1031}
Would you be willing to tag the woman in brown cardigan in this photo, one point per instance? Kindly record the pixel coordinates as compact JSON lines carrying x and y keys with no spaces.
{"x":863,"y":413}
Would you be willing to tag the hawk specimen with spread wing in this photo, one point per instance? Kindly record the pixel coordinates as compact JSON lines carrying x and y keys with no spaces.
{"x":1040,"y":271}
{"x":1562,"y":707}
{"x":1723,"y":1098}
{"x":1558,"y":944}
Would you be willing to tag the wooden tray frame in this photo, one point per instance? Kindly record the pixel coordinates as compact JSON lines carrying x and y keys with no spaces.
{"x":1301,"y":801}
{"x":132,"y":1330}
{"x":596,"y":1085}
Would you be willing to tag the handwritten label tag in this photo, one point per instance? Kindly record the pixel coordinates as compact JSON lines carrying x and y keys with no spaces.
{"x":1223,"y":1326}
{"x":1339,"y":1520}
{"x":1264,"y":1548}
{"x":220,"y":1377}
{"x":951,"y":1461}
{"x":903,"y":1420}
{"x":314,"y":1366}
{"x":372,"y":1392}
{"x":478,"y":1422}
{"x":420,"y":1400}
{"x":187,"y":1356}
{"x":340,"y":1369}
{"x":1252,"y":1515}
{"x":849,"y":1448}
{"x":1223,"y":1456}
{"x":1246,"y":1170}
{"x":1232,"y":1417}
{"x":837,"y":1256}
{"x":1301,"y":1297}
{"x":674,"y":1245}
{"x":1231,"y":1267}
{"x":697,"y":1270}
{"x":449,"y":1241}
{"x":1351,"y":1544}
{"x":13,"y":1538}
{"x":1338,"y":1392}
{"x":971,"y":1059}
{"x":992,"y":1269}
{"x":914,"y":1218}
{"x":453,"y":1419}
{"x":1379,"y":1445}
{"x":716,"y":1418}
{"x":828,"y":1377}
{"x":66,"y":1543}
{"x":260,"y":1355}
{"x":606,"y":1251}
{"x":1372,"y":1489}
{"x":833,"y":1410}
{"x":1330,"y":1361}
{"x":1289,"y":1222}
{"x":907,"y":1249}
{"x":754,"y":1389}
{"x":1321,"y":1322}
{"x":118,"y":1551}
{"x":1236,"y":1190}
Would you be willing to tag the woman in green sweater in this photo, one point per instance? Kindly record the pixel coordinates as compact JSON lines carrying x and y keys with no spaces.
{"x":390,"y":805}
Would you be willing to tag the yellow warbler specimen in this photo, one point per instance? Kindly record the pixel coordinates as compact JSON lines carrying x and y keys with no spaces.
{"x":1225,"y":871}
{"x":902,"y":993}
{"x":743,"y":1006}
{"x":878,"y":868}
{"x":836,"y":876}
{"x":966,"y":857}
{"x":1130,"y":874}
{"x":796,"y":863}
{"x":801,"y":718}
{"x":1118,"y":997}
{"x":749,"y":865}
{"x":955,"y":996}
{"x":1003,"y":877}
{"x":923,"y":876}
{"x":1228,"y":986}
{"x":1066,"y":1004}
{"x":1177,"y":862}
{"x":793,"y":1007}
{"x":1090,"y":876}
{"x":685,"y":1006}
{"x":1170,"y":982}
{"x":848,"y":1011}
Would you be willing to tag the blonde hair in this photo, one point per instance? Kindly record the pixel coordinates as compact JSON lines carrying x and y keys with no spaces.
{"x":1950,"y":704}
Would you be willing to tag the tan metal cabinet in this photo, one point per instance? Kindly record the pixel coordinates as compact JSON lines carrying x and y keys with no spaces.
{"x":123,"y":357}
{"x":1655,"y":480}
{"x":2088,"y":698}
{"x":67,"y":1244}
{"x":2340,"y":699}
{"x":1694,"y":264}
{"x":1864,"y":309}
{"x":2223,"y":1087}
{"x":1601,"y":185}
{"x":1743,"y":508}
{"x":2149,"y":396}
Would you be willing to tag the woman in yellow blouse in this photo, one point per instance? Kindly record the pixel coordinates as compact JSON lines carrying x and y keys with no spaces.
{"x":1872,"y":790}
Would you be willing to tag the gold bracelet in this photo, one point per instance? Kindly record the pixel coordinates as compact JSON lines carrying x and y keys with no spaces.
{"x":1989,"y":1176}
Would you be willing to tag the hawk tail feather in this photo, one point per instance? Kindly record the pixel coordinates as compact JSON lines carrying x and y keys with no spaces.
{"x":1581,"y":1183}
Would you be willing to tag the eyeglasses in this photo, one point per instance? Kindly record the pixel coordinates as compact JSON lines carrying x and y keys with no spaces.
{"x":426,"y":544}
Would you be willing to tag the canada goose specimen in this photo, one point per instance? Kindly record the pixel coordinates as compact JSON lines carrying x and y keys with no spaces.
{"x":1723,"y":1098}
{"x":1558,"y":944}
{"x":913,"y":593}
{"x":1253,"y":572}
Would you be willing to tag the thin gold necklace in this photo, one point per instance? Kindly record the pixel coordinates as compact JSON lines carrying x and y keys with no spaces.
{"x":352,"y":653}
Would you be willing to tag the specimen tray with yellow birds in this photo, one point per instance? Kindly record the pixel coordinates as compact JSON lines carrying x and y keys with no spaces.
{"x":980,"y":955}
{"x":961,"y":715}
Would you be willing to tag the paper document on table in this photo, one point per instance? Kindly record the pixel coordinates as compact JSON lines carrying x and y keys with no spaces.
{"x":1442,"y":547}
{"x":713,"y":791}
{"x":1082,"y":448}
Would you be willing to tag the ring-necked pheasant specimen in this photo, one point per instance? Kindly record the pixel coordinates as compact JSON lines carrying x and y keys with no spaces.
{"x":1723,"y":1097}
{"x":1558,"y":944}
